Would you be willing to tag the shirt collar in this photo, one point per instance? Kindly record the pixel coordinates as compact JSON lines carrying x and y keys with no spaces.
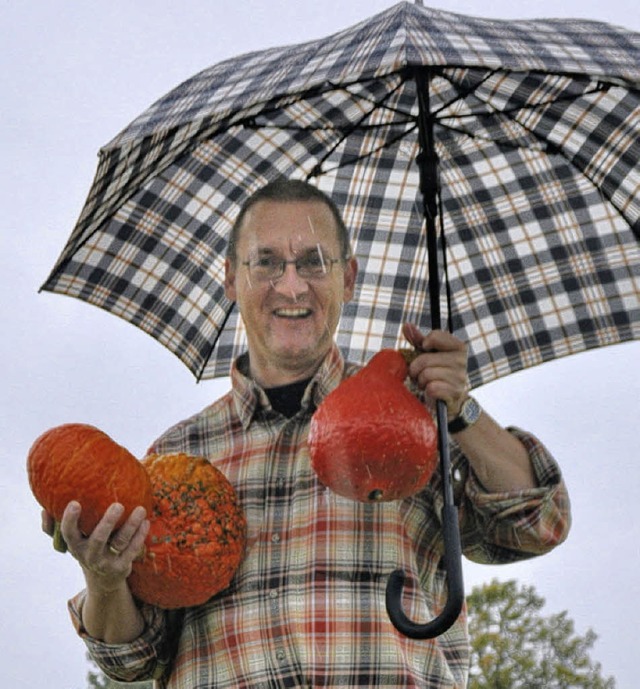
{"x":250,"y":398}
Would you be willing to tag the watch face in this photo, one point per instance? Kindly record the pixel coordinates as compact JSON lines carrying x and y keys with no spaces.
{"x":470,"y":411}
{"x":469,"y":414}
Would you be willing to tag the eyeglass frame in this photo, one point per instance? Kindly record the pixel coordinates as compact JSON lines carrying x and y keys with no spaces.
{"x":327,"y":266}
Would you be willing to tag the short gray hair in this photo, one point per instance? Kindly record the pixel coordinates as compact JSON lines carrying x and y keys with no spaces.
{"x":290,"y":190}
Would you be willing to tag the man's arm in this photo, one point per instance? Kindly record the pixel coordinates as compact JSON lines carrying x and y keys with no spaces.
{"x":498,"y":458}
{"x":106,"y":556}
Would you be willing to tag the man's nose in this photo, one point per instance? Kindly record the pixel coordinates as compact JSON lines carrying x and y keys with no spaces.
{"x":290,"y":283}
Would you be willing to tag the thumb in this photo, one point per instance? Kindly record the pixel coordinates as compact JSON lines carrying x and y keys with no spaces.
{"x":413,"y":335}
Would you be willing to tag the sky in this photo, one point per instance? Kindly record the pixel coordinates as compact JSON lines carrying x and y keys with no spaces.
{"x":73,"y":75}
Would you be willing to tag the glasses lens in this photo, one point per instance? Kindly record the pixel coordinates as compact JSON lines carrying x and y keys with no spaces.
{"x":271,"y":266}
{"x":266,"y":267}
{"x":313,"y":265}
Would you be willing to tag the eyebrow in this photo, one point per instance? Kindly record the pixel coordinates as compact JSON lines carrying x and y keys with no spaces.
{"x":269,"y":251}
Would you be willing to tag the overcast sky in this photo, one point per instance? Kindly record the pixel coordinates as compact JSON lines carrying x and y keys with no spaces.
{"x":73,"y":75}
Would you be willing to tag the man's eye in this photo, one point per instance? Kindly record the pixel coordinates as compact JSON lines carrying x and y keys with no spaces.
{"x":312,"y":261}
{"x":266,"y":262}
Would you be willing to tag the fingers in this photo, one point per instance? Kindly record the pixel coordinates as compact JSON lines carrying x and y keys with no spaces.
{"x":107,"y":554}
{"x":101,"y":536}
{"x":441,"y":370}
{"x":129,"y":539}
{"x":69,"y":523}
{"x":438,"y":340}
{"x":413,"y":335}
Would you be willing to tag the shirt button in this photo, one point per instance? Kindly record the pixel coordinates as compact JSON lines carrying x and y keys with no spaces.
{"x":273,"y":593}
{"x":280,"y":655}
{"x":275,"y":538}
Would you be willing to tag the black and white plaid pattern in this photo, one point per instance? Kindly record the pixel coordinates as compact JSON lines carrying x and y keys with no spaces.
{"x":537,"y":127}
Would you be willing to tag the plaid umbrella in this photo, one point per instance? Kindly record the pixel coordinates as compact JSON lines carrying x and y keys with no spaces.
{"x":536,"y":126}
{"x":524,"y":207}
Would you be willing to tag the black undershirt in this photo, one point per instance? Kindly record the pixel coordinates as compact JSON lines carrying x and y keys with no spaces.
{"x":287,"y":399}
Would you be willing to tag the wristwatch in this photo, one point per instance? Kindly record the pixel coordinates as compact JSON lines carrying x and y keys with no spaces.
{"x":469,"y":414}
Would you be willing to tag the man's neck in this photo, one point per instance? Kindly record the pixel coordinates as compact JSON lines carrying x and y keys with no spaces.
{"x":271,"y":376}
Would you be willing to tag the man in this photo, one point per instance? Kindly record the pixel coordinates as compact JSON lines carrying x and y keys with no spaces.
{"x":306,"y":607}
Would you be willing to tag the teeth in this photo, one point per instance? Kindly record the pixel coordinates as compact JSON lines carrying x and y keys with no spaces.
{"x":292,"y":313}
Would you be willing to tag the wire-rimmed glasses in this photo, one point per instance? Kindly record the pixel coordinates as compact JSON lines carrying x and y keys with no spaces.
{"x":269,"y":267}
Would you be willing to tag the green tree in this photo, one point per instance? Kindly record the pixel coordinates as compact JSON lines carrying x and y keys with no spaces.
{"x":513,"y":646}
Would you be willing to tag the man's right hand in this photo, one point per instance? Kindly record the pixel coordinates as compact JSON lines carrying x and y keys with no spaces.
{"x":109,"y":611}
{"x":107,"y":554}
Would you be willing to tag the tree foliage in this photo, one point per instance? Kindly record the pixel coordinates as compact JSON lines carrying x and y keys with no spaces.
{"x":513,"y":646}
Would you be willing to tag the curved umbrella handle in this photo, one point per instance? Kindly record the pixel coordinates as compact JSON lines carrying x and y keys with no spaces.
{"x":452,"y":558}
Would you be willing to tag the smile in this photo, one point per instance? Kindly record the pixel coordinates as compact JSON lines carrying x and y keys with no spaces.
{"x":292,"y":313}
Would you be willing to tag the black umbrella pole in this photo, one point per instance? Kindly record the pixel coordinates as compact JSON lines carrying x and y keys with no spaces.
{"x":452,"y":558}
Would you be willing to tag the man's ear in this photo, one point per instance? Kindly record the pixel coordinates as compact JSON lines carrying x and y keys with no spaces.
{"x":230,"y":280}
{"x":350,"y":273}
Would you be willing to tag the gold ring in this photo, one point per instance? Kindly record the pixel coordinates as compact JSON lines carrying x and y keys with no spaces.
{"x":113,"y":550}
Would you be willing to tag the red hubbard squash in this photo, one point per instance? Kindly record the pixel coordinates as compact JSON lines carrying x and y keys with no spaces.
{"x":79,"y":462}
{"x":197,"y":535}
{"x":371,"y":439}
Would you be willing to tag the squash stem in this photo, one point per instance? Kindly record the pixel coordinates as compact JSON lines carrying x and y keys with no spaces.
{"x":59,"y":543}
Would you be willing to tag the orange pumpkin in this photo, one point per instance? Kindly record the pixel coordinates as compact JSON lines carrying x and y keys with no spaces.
{"x":79,"y":462}
{"x":197,"y":535}
{"x":371,"y":439}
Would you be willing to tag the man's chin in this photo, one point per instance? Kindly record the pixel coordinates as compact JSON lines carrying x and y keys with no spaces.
{"x":301,"y":354}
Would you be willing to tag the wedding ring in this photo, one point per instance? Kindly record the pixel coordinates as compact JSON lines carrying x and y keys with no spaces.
{"x":113,"y":550}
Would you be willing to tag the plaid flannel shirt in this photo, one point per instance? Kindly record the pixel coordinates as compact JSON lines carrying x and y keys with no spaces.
{"x":306,"y":607}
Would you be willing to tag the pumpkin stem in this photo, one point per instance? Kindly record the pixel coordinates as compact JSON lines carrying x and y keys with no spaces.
{"x":59,"y":543}
{"x":408,"y":354}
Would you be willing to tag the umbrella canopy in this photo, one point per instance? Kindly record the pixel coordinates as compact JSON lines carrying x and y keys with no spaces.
{"x":532,"y":165}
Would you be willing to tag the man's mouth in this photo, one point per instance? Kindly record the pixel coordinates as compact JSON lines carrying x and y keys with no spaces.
{"x":293,"y":313}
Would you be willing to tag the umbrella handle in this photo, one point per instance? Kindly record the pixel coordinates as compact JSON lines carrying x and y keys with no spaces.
{"x":452,"y":558}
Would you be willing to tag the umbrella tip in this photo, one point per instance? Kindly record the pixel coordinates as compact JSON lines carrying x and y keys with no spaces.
{"x":418,"y":2}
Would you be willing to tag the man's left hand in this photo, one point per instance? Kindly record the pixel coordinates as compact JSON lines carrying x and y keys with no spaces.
{"x":440,"y":369}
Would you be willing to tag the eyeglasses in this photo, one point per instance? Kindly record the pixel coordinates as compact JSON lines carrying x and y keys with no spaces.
{"x":313,"y":265}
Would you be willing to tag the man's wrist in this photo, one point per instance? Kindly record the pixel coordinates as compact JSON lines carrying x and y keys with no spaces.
{"x":468,"y":415}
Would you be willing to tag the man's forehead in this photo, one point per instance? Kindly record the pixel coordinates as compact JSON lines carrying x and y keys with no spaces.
{"x":307,"y":221}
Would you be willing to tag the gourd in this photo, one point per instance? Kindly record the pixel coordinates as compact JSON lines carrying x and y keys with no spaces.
{"x":197,"y":533}
{"x":371,"y":439}
{"x":79,"y":462}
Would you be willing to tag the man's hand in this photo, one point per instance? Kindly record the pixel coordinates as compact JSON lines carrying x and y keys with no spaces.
{"x":441,"y":367}
{"x":107,"y":555}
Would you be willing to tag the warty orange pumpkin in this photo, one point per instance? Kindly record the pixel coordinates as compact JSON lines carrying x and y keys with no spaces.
{"x":371,"y":439}
{"x":79,"y":462}
{"x":197,"y":534}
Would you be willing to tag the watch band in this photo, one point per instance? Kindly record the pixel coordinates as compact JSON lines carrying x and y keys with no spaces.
{"x":469,"y":414}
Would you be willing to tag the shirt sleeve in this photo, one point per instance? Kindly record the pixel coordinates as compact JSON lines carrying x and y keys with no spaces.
{"x":506,"y":527}
{"x":145,"y":658}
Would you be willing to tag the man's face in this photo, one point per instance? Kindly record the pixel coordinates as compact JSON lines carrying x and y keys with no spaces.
{"x":290,"y":321}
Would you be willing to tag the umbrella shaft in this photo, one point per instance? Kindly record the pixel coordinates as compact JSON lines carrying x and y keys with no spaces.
{"x":427,"y":161}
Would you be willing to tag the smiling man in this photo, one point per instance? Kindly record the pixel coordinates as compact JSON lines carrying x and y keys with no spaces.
{"x":280,"y":271}
{"x":306,"y":606}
